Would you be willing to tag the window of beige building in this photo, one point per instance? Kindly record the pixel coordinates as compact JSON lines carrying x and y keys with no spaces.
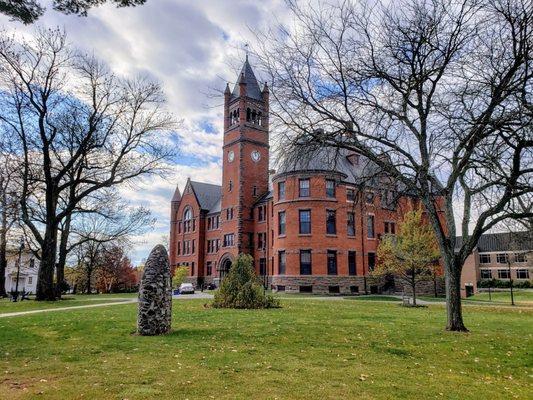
{"x":501,"y":258}
{"x":522,"y":274}
{"x":484,"y":258}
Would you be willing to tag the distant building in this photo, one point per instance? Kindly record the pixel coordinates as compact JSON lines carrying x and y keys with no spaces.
{"x":501,"y":256}
{"x":312,"y":226}
{"x":29,"y":269}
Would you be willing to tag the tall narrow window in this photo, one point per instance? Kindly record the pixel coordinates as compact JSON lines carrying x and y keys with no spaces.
{"x":262,"y":266}
{"x":228,"y":240}
{"x":305,"y":222}
{"x":209,"y":268}
{"x":332,"y":262}
{"x":281,"y":190}
{"x":305,"y":262}
{"x":350,"y":194}
{"x":330,"y":188}
{"x":179,"y":248}
{"x":331,"y":224}
{"x":304,"y":188}
{"x":351,"y":263}
{"x":370,"y":227}
{"x":187,"y":217}
{"x":281,"y":262}
{"x":281,"y":223}
{"x":230,"y":186}
{"x":371,"y":261}
{"x":350,"y":224}
{"x":254,"y":189}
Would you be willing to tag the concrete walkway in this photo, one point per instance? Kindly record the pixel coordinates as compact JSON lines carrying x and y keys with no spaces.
{"x":113,"y":303}
{"x":119,"y":300}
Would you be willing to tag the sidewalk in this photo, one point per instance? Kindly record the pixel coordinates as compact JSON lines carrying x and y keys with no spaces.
{"x":18,"y":313}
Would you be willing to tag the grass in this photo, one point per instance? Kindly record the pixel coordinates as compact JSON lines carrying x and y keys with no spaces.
{"x":7,"y":306}
{"x":521,"y":296}
{"x":307,"y":349}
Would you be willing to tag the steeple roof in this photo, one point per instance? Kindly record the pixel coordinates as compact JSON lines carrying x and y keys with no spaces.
{"x":252,"y":86}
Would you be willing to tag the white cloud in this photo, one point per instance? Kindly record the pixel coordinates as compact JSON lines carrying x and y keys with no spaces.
{"x":192,"y":48}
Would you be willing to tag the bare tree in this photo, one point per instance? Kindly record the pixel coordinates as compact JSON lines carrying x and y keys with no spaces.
{"x":8,"y":208}
{"x":80,"y":129}
{"x":437,"y":93}
{"x":29,"y":11}
{"x":104,"y":219}
{"x":94,"y":233}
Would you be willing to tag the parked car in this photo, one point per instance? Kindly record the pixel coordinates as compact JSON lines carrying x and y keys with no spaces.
{"x":186,"y":288}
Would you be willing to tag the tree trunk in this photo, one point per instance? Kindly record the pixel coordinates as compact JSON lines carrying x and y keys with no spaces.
{"x":60,"y":269}
{"x":89,"y":275}
{"x":453,"y":295}
{"x":3,"y":265}
{"x":413,"y":288}
{"x":3,"y":257}
{"x":45,"y":282}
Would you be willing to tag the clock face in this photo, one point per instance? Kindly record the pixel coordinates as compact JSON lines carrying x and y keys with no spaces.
{"x":256,"y":156}
{"x":231,"y":156}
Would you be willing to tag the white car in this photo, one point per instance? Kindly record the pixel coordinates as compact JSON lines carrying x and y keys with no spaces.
{"x":186,"y":288}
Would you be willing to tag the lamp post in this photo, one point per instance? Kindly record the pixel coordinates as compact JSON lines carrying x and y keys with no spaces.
{"x":15,"y":297}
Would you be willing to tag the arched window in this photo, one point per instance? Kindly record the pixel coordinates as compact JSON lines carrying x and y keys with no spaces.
{"x":187,"y":218}
{"x":259,"y":119}
{"x":248,"y":114}
{"x":254,"y":115}
{"x":230,"y":186}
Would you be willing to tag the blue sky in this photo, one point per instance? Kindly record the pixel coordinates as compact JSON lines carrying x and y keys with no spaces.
{"x":193,"y":48}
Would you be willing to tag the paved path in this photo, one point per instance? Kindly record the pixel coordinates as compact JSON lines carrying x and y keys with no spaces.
{"x":113,"y":303}
{"x":119,"y":300}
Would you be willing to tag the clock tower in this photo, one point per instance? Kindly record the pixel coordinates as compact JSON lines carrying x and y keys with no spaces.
{"x":245,"y":160}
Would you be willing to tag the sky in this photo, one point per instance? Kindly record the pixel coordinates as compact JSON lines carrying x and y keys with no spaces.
{"x":192,"y":48}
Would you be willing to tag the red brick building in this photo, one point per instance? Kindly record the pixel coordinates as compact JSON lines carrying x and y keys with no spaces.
{"x":312,"y":226}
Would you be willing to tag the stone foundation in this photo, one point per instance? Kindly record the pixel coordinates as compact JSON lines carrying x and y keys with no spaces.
{"x":424,"y":288}
{"x":326,"y":284}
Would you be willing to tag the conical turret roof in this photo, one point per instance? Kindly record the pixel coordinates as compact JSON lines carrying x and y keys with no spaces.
{"x":252,"y":86}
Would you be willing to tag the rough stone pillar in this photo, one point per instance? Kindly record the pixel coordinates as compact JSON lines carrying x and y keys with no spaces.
{"x":155,"y":295}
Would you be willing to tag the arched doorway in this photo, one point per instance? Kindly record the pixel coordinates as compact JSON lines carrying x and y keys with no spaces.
{"x":224,"y":265}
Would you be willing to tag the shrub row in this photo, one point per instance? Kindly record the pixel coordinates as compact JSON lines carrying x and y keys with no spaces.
{"x":497,"y":283}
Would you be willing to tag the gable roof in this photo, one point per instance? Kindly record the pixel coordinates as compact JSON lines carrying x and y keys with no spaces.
{"x":207,"y":194}
{"x":503,"y":241}
{"x":252,"y":86}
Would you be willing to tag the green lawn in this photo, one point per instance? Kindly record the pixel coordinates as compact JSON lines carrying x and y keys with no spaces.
{"x":521,"y":296}
{"x":309,"y":349}
{"x":7,"y":306}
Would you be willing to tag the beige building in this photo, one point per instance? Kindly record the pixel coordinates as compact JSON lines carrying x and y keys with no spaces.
{"x":500,"y":256}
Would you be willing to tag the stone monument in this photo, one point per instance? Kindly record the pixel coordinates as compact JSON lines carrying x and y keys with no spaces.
{"x":155,"y":295}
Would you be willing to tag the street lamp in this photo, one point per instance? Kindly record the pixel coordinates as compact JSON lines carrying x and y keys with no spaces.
{"x":15,"y":297}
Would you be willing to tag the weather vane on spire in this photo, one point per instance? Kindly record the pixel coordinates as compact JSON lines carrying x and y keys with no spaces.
{"x":246,"y":50}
